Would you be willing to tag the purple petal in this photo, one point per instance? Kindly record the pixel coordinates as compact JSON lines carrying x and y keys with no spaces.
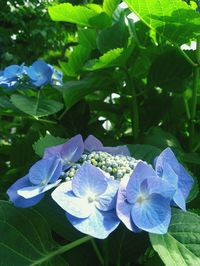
{"x":141,"y":172}
{"x":19,"y":201}
{"x":99,"y":224}
{"x":123,"y":207}
{"x":107,"y":200}
{"x":70,"y":151}
{"x":45,"y":171}
{"x":92,"y":143}
{"x":89,"y":181}
{"x":152,"y":215}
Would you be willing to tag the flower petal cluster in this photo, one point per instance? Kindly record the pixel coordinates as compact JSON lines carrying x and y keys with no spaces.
{"x":89,"y":201}
{"x":144,"y":201}
{"x":169,"y":169}
{"x":10,"y":76}
{"x":29,"y":190}
{"x":98,"y":186}
{"x":38,"y":74}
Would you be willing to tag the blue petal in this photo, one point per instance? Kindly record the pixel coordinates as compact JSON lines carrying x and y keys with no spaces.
{"x":89,"y":181}
{"x":13,"y":72}
{"x":123,"y":207}
{"x":107,"y":200}
{"x":65,"y":198}
{"x":92,"y":143}
{"x":19,"y":201}
{"x":40,"y":73}
{"x":140,"y":173}
{"x":32,"y":191}
{"x":99,"y":224}
{"x":185,"y":181}
{"x":152,"y":215}
{"x":45,"y":171}
{"x":179,"y":200}
{"x":70,"y":151}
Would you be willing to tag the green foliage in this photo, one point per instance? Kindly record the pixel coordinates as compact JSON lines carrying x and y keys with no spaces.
{"x":36,"y":107}
{"x":47,"y":141}
{"x":180,"y":246}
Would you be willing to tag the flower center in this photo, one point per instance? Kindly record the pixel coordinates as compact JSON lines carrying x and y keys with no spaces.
{"x":91,"y":199}
{"x":141,"y":198}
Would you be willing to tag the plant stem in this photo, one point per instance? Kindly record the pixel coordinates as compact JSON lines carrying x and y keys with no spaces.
{"x":62,"y":250}
{"x":196,"y":76}
{"x":134,"y":106}
{"x":97,"y":251}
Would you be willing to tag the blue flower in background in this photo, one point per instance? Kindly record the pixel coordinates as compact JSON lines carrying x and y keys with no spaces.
{"x":143,"y":201}
{"x":56,"y":78}
{"x":42,"y":176}
{"x":11,"y":75}
{"x":93,"y":144}
{"x":168,"y":167}
{"x":40,"y":73}
{"x":89,"y":201}
{"x":68,"y":152}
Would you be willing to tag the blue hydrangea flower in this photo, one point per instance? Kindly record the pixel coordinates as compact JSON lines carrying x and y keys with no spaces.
{"x":42,"y":176}
{"x":168,"y":167}
{"x":89,"y":201}
{"x":143,"y":201}
{"x":57,"y":76}
{"x":93,"y":144}
{"x":40,"y":73}
{"x":68,"y":152}
{"x":11,"y":75}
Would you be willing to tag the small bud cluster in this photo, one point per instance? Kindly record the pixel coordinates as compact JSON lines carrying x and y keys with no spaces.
{"x":115,"y":167}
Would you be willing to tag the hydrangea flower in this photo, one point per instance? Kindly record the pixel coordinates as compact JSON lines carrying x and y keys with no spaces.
{"x":29,"y":190}
{"x":89,"y":201}
{"x":56,"y":78}
{"x":40,"y":73}
{"x":93,"y":144}
{"x":69,"y":152}
{"x":168,"y":167}
{"x":11,"y":75}
{"x":143,"y":201}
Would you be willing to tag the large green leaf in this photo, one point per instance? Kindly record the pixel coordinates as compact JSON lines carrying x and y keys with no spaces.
{"x":172,"y":19}
{"x":76,"y":60}
{"x":82,"y":15}
{"x":36,"y":106}
{"x":25,"y":238}
{"x":181,"y":244}
{"x":74,"y":91}
{"x":47,"y":141}
{"x":109,"y":6}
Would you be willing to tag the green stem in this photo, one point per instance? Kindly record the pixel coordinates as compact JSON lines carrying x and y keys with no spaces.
{"x":62,"y":250}
{"x":63,"y":114}
{"x":196,"y":76}
{"x":190,"y":61}
{"x":97,"y":251}
{"x":134,"y":106}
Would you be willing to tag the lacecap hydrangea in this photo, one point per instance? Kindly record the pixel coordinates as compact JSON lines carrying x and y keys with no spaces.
{"x":37,"y":75}
{"x":98,"y":187}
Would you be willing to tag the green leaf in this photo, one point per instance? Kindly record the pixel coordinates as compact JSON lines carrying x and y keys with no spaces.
{"x":169,"y":71}
{"x":25,"y":238}
{"x":144,"y":152}
{"x":109,"y":6}
{"x":76,"y":61}
{"x":87,"y":37}
{"x":74,"y":91}
{"x":47,"y":141}
{"x":181,"y":244}
{"x":36,"y":107}
{"x":174,"y":20}
{"x":82,"y":15}
{"x":117,"y":35}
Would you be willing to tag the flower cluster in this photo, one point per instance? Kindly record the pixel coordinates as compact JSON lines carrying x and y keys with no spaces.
{"x":99,"y":186}
{"x":37,"y":75}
